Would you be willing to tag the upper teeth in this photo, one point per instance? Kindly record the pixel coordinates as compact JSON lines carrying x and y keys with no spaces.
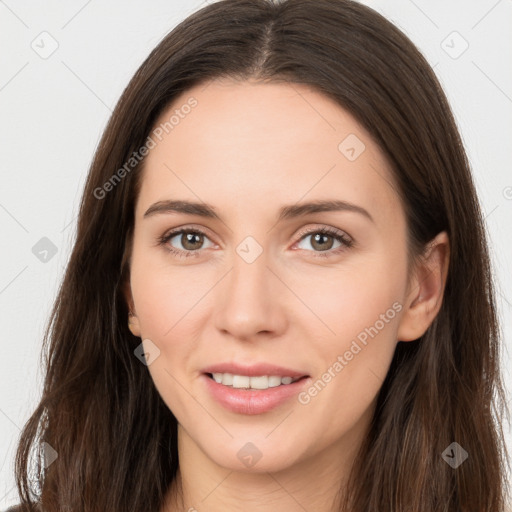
{"x":244,"y":381}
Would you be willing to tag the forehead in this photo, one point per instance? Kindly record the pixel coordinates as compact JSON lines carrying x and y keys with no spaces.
{"x":248,"y":144}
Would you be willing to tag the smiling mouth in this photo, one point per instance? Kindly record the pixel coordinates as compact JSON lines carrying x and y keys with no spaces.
{"x":260,"y":382}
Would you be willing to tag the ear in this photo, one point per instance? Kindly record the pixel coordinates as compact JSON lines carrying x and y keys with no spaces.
{"x":133,"y":321}
{"x":426,"y":289}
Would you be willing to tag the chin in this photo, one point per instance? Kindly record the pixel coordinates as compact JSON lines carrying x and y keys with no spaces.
{"x":254,"y":454}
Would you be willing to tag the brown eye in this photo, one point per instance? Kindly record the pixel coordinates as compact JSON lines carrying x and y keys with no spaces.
{"x":323,"y":240}
{"x":186,"y":241}
{"x":191,"y":241}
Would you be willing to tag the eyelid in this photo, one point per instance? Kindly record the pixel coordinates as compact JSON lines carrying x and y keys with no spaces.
{"x":188,"y":227}
{"x":322,"y":227}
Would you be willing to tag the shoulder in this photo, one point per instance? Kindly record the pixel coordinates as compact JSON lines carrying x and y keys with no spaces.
{"x":17,"y":508}
{"x":20,"y":508}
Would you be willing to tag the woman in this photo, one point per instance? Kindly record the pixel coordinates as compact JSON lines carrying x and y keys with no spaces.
{"x":280,"y":294}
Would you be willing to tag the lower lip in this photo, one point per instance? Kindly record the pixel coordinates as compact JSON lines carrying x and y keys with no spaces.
{"x":253,"y":401}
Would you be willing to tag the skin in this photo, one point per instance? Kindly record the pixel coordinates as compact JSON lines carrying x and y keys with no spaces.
{"x":249,"y":148}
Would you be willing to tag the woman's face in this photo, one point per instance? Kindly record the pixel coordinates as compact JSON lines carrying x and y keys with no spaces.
{"x":259,"y":286}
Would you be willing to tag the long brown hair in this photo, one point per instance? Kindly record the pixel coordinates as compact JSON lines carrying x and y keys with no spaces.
{"x":116,"y":439}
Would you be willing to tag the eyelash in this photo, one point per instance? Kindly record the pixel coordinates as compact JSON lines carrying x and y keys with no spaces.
{"x":346,"y":242}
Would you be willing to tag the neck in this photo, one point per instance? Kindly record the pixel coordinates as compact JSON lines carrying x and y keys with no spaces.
{"x":313,"y":483}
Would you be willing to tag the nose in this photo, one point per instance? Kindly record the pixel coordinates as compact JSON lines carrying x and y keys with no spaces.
{"x":250,"y":302}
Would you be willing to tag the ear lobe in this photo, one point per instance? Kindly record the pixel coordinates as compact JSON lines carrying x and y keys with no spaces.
{"x":133,"y":321}
{"x":427,"y":286}
{"x":133,"y":324}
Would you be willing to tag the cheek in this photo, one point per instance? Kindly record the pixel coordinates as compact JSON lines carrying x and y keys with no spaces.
{"x":351,"y":369}
{"x":167,"y":301}
{"x":343,"y":302}
{"x":167,"y":298}
{"x":359,"y":309}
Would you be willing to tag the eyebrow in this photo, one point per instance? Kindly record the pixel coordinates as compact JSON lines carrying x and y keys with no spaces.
{"x":285,"y":212}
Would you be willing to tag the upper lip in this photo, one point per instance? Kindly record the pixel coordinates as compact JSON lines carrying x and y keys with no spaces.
{"x":254,"y":370}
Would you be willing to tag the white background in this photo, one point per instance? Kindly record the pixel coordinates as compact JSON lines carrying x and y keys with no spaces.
{"x":53,"y":111}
